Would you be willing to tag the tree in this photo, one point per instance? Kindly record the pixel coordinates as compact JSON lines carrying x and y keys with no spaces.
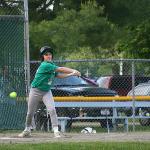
{"x":10,"y":7}
{"x":49,"y":9}
{"x":127,"y":12}
{"x":89,"y":67}
{"x":71,"y":30}
{"x":41,"y":10}
{"x":137,"y":45}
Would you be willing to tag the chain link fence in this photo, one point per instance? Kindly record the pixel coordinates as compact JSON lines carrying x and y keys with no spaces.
{"x":12,"y":64}
{"x":101,"y":112}
{"x":104,"y":98}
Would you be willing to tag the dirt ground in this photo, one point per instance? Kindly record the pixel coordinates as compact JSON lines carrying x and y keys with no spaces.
{"x":74,"y":137}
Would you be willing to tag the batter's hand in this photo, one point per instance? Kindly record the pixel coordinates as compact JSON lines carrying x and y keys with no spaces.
{"x":76,"y":73}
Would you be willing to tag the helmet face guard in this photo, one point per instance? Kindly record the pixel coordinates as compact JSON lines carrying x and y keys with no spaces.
{"x":46,"y":49}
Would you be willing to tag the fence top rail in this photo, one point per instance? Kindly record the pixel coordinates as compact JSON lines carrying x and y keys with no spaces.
{"x":99,"y":60}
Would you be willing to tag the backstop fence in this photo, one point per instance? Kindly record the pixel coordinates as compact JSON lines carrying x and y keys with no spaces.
{"x":13,"y":66}
{"x":112,"y":94}
{"x":119,"y":101}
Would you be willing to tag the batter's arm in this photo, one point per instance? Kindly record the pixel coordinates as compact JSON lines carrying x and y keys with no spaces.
{"x":66,"y":72}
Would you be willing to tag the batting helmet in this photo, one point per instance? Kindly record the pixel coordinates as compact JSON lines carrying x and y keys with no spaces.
{"x":46,"y":49}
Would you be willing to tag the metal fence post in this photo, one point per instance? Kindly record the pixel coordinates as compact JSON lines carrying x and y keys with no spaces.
{"x":26,"y":45}
{"x":133,"y":93}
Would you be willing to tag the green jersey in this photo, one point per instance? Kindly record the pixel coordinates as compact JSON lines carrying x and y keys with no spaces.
{"x":44,"y":76}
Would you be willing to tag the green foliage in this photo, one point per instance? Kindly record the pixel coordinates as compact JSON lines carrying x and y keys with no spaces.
{"x":107,"y":29}
{"x":110,"y":29}
{"x":127,"y":12}
{"x":89,"y":68}
{"x":137,"y":42}
{"x":72,"y":30}
{"x":40,"y":10}
{"x":82,"y":53}
{"x":10,"y":7}
{"x":95,"y":28}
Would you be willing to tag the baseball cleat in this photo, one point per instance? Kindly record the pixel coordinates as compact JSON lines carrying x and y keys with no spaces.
{"x":57,"y":134}
{"x":25,"y":134}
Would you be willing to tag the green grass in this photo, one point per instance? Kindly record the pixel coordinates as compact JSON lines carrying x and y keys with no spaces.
{"x":78,"y":146}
